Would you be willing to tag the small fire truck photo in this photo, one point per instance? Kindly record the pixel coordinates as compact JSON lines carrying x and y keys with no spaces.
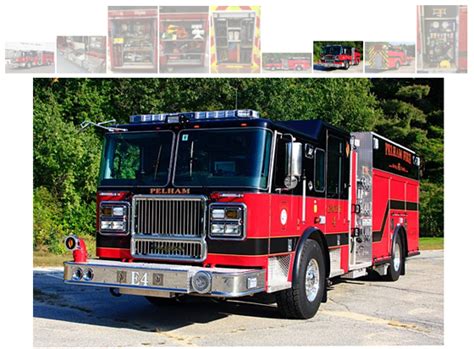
{"x":286,"y":61}
{"x":336,"y":55}
{"x":34,"y":57}
{"x":226,"y":204}
{"x":390,"y":56}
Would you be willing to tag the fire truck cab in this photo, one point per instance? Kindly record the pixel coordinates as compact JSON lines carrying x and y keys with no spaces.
{"x":227,"y":204}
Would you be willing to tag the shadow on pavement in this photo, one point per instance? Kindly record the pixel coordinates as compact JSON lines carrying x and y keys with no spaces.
{"x":96,"y":306}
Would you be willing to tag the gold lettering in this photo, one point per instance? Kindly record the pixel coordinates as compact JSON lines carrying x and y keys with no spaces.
{"x":165,"y":191}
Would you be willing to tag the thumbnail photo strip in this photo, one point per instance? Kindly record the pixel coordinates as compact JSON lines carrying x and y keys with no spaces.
{"x":227,"y":39}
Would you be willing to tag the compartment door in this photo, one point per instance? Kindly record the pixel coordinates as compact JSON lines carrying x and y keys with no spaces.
{"x":360,"y":242}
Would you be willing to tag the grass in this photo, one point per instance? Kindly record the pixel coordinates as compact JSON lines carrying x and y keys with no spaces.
{"x":43,"y":258}
{"x":431,"y":243}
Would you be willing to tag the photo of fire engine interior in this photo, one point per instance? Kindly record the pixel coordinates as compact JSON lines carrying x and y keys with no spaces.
{"x":338,"y":56}
{"x":184,"y":39}
{"x":281,"y":62}
{"x":285,"y":196}
{"x":133,"y":44}
{"x":235,"y":39}
{"x":397,"y":57}
{"x":81,"y":54}
{"x":28,"y":58}
{"x":442,"y":39}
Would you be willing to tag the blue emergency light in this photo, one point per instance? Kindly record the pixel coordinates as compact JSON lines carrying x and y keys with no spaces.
{"x":172,"y":118}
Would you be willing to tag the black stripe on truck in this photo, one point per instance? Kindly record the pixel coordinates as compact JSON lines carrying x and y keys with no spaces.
{"x":393,"y":205}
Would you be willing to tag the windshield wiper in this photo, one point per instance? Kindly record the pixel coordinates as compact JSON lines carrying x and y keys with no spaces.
{"x":191,"y":154}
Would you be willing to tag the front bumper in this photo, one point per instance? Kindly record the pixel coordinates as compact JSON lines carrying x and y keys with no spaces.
{"x":146,"y":278}
{"x":16,"y":65}
{"x":331,"y":65}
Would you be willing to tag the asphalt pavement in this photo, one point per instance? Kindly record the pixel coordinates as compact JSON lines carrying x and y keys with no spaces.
{"x":66,"y":66}
{"x":352,"y":69}
{"x":358,"y":312}
{"x":44,"y":69}
{"x":404,"y":69}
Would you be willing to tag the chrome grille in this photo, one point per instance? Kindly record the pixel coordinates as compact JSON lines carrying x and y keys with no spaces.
{"x":174,"y":216}
{"x":167,"y":249}
{"x":169,"y":227}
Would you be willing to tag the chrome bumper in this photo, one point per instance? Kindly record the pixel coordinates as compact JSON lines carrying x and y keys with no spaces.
{"x":17,"y":65}
{"x":149,"y":278}
{"x":331,"y":65}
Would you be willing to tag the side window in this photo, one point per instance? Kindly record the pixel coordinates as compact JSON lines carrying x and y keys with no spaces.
{"x":280,"y":165}
{"x":334,"y":173}
{"x":319,"y":182}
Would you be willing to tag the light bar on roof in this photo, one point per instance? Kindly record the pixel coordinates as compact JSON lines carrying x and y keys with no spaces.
{"x":172,"y":118}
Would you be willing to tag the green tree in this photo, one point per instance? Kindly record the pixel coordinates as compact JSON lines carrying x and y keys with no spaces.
{"x":66,"y":161}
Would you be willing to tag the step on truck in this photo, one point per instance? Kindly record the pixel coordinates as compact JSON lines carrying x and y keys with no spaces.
{"x":227,"y":204}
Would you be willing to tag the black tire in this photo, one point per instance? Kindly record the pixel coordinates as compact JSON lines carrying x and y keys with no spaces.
{"x":299,"y":68}
{"x":158,"y":301}
{"x":397,"y":65}
{"x":346,"y":65}
{"x":396,"y":262}
{"x":28,"y":65}
{"x":295,"y":302}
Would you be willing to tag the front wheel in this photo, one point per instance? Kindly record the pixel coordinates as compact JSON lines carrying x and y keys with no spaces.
{"x":346,"y":65}
{"x":303,"y":299}
{"x":397,"y":260}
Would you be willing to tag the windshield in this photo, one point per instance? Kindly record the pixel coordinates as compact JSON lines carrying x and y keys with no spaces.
{"x":223,"y":158}
{"x":141,"y":158}
{"x":332,"y":50}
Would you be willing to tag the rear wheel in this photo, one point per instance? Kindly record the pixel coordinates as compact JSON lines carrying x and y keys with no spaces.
{"x":303,"y":299}
{"x":397,"y":260}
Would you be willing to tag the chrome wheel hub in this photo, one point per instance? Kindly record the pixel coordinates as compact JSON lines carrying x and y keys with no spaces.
{"x":397,"y":257}
{"x":312,"y":280}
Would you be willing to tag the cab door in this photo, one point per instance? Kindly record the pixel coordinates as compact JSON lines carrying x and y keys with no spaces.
{"x":337,"y":179}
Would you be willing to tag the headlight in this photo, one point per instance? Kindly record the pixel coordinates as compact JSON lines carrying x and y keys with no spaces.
{"x":218,"y":213}
{"x":116,"y":211}
{"x":217,"y":229}
{"x":227,"y":221}
{"x":113,"y":217}
{"x":112,"y":225}
{"x":232,"y":229}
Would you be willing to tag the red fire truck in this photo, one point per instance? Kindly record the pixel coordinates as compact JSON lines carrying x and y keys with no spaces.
{"x":383,"y":57}
{"x":29,"y":59}
{"x":227,"y":204}
{"x":338,"y":56}
{"x":290,"y":63}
